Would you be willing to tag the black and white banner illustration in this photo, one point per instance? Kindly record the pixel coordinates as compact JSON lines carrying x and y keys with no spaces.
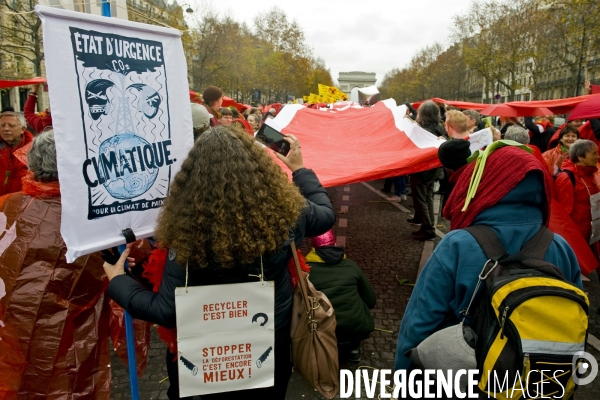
{"x":122,"y":121}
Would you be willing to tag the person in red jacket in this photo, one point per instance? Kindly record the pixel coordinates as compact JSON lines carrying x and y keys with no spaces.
{"x":575,"y":186}
{"x":554,"y":157}
{"x":13,"y":136}
{"x":38,"y":121}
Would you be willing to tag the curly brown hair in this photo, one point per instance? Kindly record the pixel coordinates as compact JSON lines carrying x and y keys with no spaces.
{"x":229,"y":203}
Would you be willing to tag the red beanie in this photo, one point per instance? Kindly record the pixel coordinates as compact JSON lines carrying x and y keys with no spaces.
{"x":326,"y":239}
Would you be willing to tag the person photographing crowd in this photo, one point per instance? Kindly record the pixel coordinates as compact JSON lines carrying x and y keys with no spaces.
{"x":240,"y":211}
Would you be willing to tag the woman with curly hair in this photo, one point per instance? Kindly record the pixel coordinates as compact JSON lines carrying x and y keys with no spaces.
{"x":230,"y":207}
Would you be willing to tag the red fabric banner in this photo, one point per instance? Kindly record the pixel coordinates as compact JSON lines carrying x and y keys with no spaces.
{"x":23,"y":82}
{"x":558,"y":106}
{"x":463,"y":105}
{"x":589,"y":108}
{"x":359,"y":144}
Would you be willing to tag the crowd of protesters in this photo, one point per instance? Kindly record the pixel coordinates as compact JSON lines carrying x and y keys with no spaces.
{"x":208,"y":241}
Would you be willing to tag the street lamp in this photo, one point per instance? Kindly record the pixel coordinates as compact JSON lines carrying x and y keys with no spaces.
{"x":189,"y":10}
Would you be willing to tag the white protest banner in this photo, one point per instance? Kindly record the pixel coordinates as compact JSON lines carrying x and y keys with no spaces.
{"x":595,"y":207}
{"x":225,"y":337}
{"x":480,"y":139}
{"x":122,"y":122}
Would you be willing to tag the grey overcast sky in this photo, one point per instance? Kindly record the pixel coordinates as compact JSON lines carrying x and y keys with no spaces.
{"x":358,"y":35}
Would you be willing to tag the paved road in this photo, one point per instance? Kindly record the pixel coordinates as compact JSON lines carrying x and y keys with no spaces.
{"x":378,"y":238}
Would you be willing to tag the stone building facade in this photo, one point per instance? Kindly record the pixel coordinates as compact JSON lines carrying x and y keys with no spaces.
{"x":16,"y":63}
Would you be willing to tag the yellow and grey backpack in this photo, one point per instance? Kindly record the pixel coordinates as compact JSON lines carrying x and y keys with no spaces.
{"x":527,"y":324}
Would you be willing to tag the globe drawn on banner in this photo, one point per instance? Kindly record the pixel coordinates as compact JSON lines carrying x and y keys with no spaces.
{"x":132,"y":182}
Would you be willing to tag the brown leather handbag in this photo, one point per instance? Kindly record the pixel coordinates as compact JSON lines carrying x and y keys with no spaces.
{"x":314,"y":345}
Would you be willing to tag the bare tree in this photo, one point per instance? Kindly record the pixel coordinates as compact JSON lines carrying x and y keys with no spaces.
{"x":575,"y":36}
{"x":21,"y":36}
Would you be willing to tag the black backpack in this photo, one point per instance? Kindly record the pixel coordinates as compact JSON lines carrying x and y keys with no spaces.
{"x":529,"y":318}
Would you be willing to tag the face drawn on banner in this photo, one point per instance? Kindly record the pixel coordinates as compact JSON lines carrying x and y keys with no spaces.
{"x":124,"y":103}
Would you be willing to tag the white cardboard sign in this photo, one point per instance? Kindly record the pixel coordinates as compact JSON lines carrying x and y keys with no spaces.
{"x":225,"y":337}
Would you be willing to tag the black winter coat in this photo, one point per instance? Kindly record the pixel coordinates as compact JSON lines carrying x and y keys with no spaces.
{"x":317,"y":217}
{"x":540,"y":139}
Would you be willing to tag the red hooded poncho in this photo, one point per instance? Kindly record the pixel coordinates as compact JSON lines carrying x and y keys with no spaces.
{"x":51,"y":344}
{"x":55,"y":315}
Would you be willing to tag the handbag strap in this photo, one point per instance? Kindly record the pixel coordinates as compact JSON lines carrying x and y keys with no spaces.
{"x":301,"y":281}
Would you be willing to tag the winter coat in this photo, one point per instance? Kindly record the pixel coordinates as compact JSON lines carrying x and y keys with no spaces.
{"x":348,"y":289}
{"x":540,"y":134}
{"x":554,"y":158}
{"x":428,"y":176}
{"x":437,"y":129}
{"x":37,"y":121}
{"x":317,"y":217}
{"x":576,"y":199}
{"x":11,"y":169}
{"x":448,"y":279}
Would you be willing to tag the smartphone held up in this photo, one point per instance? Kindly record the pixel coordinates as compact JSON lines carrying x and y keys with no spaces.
{"x":273,"y":139}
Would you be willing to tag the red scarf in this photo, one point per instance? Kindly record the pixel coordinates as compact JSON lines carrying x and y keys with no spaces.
{"x":546,"y":124}
{"x":153,"y":271}
{"x":504,"y":169}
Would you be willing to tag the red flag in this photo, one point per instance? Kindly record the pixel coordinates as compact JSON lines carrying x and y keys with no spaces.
{"x":359,"y":144}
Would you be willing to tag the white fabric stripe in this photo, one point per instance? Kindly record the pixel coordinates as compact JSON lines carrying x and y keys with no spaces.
{"x":285,"y":116}
{"x":543,"y":346}
{"x":419,"y":136}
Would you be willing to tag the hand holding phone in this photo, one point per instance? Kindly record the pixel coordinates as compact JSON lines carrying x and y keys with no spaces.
{"x":294,"y":159}
{"x":273,"y":139}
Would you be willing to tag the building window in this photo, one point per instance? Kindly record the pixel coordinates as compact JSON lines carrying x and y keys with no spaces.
{"x":517,"y":97}
{"x":526,"y":96}
{"x":23,"y":93}
{"x":5,"y":97}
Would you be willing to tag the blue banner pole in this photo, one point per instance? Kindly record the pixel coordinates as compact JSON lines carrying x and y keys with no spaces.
{"x":131,"y":362}
{"x":106,"y":8}
{"x":129,"y":333}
